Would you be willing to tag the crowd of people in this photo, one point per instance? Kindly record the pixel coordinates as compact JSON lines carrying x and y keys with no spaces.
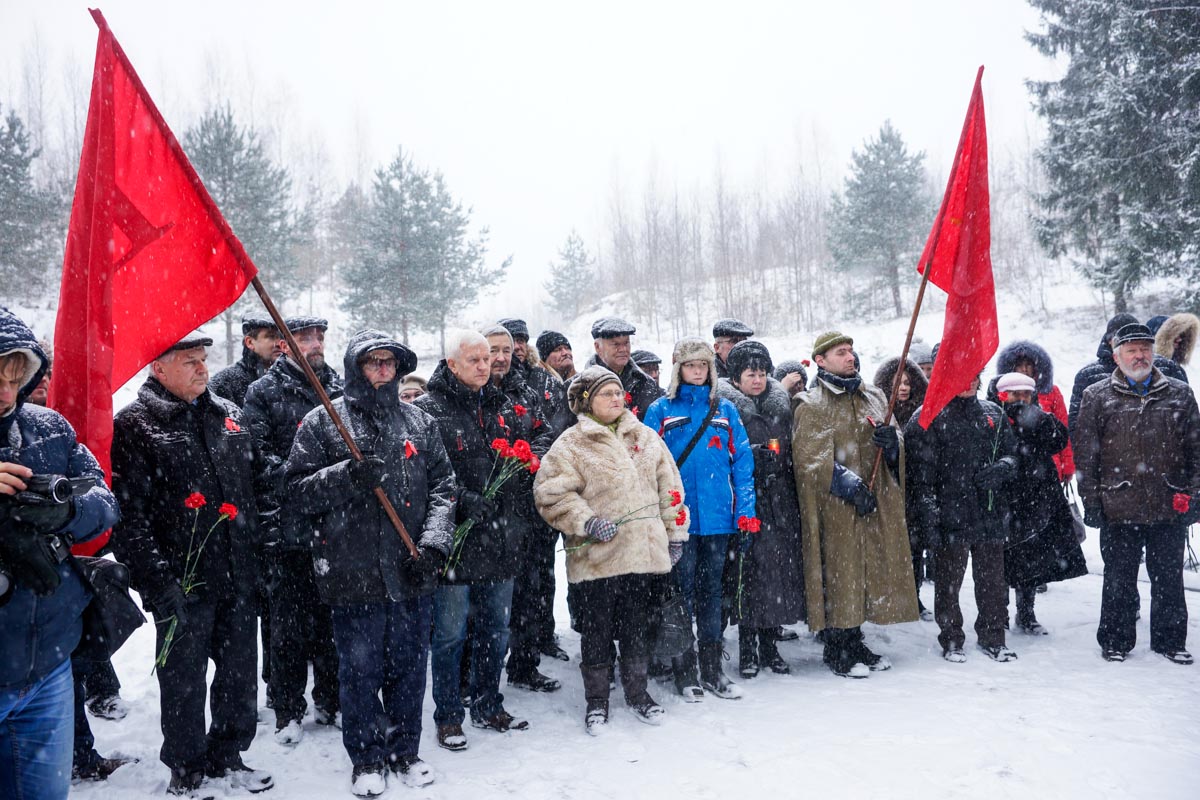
{"x":752,"y":493}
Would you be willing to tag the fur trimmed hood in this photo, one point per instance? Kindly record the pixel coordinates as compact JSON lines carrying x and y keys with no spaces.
{"x":774,"y":403}
{"x":1043,"y":367}
{"x":1184,"y":327}
{"x":692,"y":348}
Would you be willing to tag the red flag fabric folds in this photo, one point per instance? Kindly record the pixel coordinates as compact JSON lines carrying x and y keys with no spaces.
{"x":958,"y":256}
{"x":148,"y":256}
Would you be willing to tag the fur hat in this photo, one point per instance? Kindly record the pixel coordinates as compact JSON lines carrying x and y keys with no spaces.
{"x":828,"y":340}
{"x":692,"y":348}
{"x":1184,"y":327}
{"x":745,"y":353}
{"x":583,"y":387}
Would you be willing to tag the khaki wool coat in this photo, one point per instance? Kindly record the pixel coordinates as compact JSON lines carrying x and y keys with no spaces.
{"x":592,"y":471}
{"x":856,"y":569}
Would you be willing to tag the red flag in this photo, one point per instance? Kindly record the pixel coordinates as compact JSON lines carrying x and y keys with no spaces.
{"x":958,"y":256}
{"x":148,"y":257}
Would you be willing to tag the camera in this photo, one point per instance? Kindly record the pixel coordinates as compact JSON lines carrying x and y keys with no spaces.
{"x":52,"y":490}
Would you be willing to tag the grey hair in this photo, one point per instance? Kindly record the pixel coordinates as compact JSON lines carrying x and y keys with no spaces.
{"x":498,"y":330}
{"x":457,"y":340}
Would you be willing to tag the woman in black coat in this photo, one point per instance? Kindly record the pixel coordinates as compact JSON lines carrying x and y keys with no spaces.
{"x":766,"y":578}
{"x":1041,"y":546}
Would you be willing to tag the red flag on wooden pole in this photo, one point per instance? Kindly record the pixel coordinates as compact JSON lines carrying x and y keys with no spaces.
{"x":958,"y":258}
{"x":148,"y":256}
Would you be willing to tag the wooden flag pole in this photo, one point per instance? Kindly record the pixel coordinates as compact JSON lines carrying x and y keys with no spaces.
{"x":355,"y":453}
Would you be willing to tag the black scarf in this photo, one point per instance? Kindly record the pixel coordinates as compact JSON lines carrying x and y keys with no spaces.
{"x":847,"y":384}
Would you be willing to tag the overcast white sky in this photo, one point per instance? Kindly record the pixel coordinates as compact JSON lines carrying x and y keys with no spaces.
{"x":533,"y":110}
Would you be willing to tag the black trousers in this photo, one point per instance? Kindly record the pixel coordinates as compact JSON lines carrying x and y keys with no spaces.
{"x":84,"y":751}
{"x":532,"y":620}
{"x":615,"y":608}
{"x":1121,"y":547}
{"x":991,"y":592}
{"x":223,"y":630}
{"x":301,"y":632}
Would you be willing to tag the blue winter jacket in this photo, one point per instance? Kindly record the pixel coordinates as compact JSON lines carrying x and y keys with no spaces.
{"x":718,"y":477}
{"x":39,"y":633}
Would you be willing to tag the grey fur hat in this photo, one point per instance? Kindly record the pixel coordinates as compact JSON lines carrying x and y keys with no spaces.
{"x":692,"y":348}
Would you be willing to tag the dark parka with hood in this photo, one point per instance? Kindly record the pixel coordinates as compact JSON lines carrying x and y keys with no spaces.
{"x":359,"y":556}
{"x":38,"y":633}
{"x":885,"y":377}
{"x":1049,"y":397}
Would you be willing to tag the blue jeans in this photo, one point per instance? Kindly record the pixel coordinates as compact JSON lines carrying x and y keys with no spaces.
{"x":36,"y":732}
{"x":382,"y":647}
{"x":489,"y":605}
{"x":699,"y":574}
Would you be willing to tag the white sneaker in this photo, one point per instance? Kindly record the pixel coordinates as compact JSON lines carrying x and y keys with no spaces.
{"x":368,"y":781}
{"x":290,"y":734}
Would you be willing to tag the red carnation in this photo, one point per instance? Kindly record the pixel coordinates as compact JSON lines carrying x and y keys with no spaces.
{"x":991,"y":422}
{"x":230,"y":425}
{"x":749,"y":524}
{"x":410,"y":449}
{"x":534,"y":464}
{"x":519,"y":410}
{"x":194,"y":500}
{"x":499,"y":444}
{"x":676,"y":498}
{"x":681,"y":517}
{"x":228,"y":510}
{"x":508,"y":452}
{"x":1181,"y":502}
{"x":1002,"y":396}
{"x":521,"y":451}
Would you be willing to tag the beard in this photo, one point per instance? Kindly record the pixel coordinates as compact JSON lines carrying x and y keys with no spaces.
{"x":1138,"y":372}
{"x":315,"y":360}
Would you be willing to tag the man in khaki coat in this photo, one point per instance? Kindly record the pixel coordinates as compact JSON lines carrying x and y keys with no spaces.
{"x":857,"y":566}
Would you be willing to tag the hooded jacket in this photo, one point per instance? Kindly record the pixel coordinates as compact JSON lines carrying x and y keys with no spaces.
{"x":1049,"y":397}
{"x":358,"y":556}
{"x":38,"y":633}
{"x":885,"y":377}
{"x":275,"y":406}
{"x":1184,"y":327}
{"x":233,"y":381}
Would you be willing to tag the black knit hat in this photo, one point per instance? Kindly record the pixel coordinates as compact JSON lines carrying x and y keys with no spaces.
{"x":1116,"y":323}
{"x":549,"y":341}
{"x":644,"y":358}
{"x":300,"y":323}
{"x":787,"y":367}
{"x":516,"y":327}
{"x":252,"y":325}
{"x":746,"y":353}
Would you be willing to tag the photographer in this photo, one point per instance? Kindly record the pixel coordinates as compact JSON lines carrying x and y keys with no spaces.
{"x":41,"y":597}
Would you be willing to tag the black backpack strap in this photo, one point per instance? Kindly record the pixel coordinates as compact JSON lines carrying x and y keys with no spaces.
{"x":687,"y":451}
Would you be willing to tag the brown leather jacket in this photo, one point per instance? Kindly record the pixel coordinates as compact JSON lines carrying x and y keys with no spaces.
{"x":1134,"y":452}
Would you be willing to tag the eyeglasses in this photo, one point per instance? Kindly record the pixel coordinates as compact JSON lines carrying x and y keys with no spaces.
{"x":377,"y":364}
{"x":610,"y":394}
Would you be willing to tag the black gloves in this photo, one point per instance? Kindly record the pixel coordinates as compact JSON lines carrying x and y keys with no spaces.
{"x":171,"y":602}
{"x":423,"y":572}
{"x":864,"y":500}
{"x":368,"y":473}
{"x":994,"y":476}
{"x":886,"y":439}
{"x":27,"y":556}
{"x":476,"y":507}
{"x":48,"y":518}
{"x":851,"y":488}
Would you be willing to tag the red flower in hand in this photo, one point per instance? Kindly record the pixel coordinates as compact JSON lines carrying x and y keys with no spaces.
{"x":534,"y":464}
{"x":1181,"y":502}
{"x":228,"y":510}
{"x":520,"y":410}
{"x":681,"y":517}
{"x":499,"y":445}
{"x":410,"y":449}
{"x":521,"y":451}
{"x":194,"y":500}
{"x":676,"y":498}
{"x":749,"y":524}
{"x":507,"y":452}
{"x":991,"y":422}
{"x":232,"y":426}
{"x":1002,"y":397}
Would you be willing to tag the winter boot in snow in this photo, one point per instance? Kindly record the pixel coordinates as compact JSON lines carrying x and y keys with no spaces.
{"x":633,"y":680}
{"x":779,"y":634}
{"x":768,"y":655}
{"x":595,"y":691}
{"x":110,"y":706}
{"x":687,"y":683}
{"x":450,"y":737}
{"x":1026,"y":621}
{"x":533,"y":680}
{"x":412,"y":771}
{"x":325,"y":716}
{"x":841,"y":656}
{"x":748,"y":651}
{"x":999,"y":652}
{"x":368,"y":780}
{"x":712,"y":677}
{"x":243,"y":778}
{"x":190,"y":783}
{"x":99,"y":768}
{"x":289,"y":733}
{"x":874,"y":661}
{"x":954,"y":655}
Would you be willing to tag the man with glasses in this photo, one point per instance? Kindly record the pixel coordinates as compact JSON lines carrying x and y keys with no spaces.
{"x":299,"y":623}
{"x":727,"y":333}
{"x":380,"y":597}
{"x":610,"y":338}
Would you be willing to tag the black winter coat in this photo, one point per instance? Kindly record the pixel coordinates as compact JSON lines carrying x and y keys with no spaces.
{"x":275,"y":405}
{"x":640,"y":388}
{"x":772,"y":573}
{"x":944,"y":504}
{"x":1042,"y":546}
{"x":553,"y":394}
{"x":164,"y":449}
{"x":1102,"y":368}
{"x":469,"y":422}
{"x":359,"y":556}
{"x":233,"y":381}
{"x":532,"y":426}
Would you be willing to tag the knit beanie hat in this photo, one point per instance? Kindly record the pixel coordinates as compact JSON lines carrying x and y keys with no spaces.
{"x":549,"y":341}
{"x":583,"y":387}
{"x":829,"y":340}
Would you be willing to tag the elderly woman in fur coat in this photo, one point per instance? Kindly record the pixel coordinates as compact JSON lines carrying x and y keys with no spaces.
{"x":768,"y":579}
{"x":611,"y":486}
{"x":705,"y":435}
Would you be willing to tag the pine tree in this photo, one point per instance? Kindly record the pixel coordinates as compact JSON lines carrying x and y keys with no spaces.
{"x":572,"y":277}
{"x":1122,"y":153}
{"x":254,"y":195}
{"x":28,"y":216}
{"x":878,"y":225}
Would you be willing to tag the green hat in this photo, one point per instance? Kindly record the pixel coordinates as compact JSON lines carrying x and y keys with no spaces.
{"x":828,"y":340}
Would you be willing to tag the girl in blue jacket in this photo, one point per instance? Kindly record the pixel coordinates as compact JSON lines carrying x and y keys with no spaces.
{"x":718,"y":482}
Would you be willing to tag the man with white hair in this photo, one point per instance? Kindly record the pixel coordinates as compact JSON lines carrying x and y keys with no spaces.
{"x":473,"y":414}
{"x":1137,"y":453}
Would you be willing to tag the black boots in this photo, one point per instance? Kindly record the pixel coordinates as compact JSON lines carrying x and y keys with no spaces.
{"x":768,"y":655}
{"x":687,"y":683}
{"x":595,"y":690}
{"x":748,"y":664}
{"x":712,"y":677}
{"x":633,"y":680}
